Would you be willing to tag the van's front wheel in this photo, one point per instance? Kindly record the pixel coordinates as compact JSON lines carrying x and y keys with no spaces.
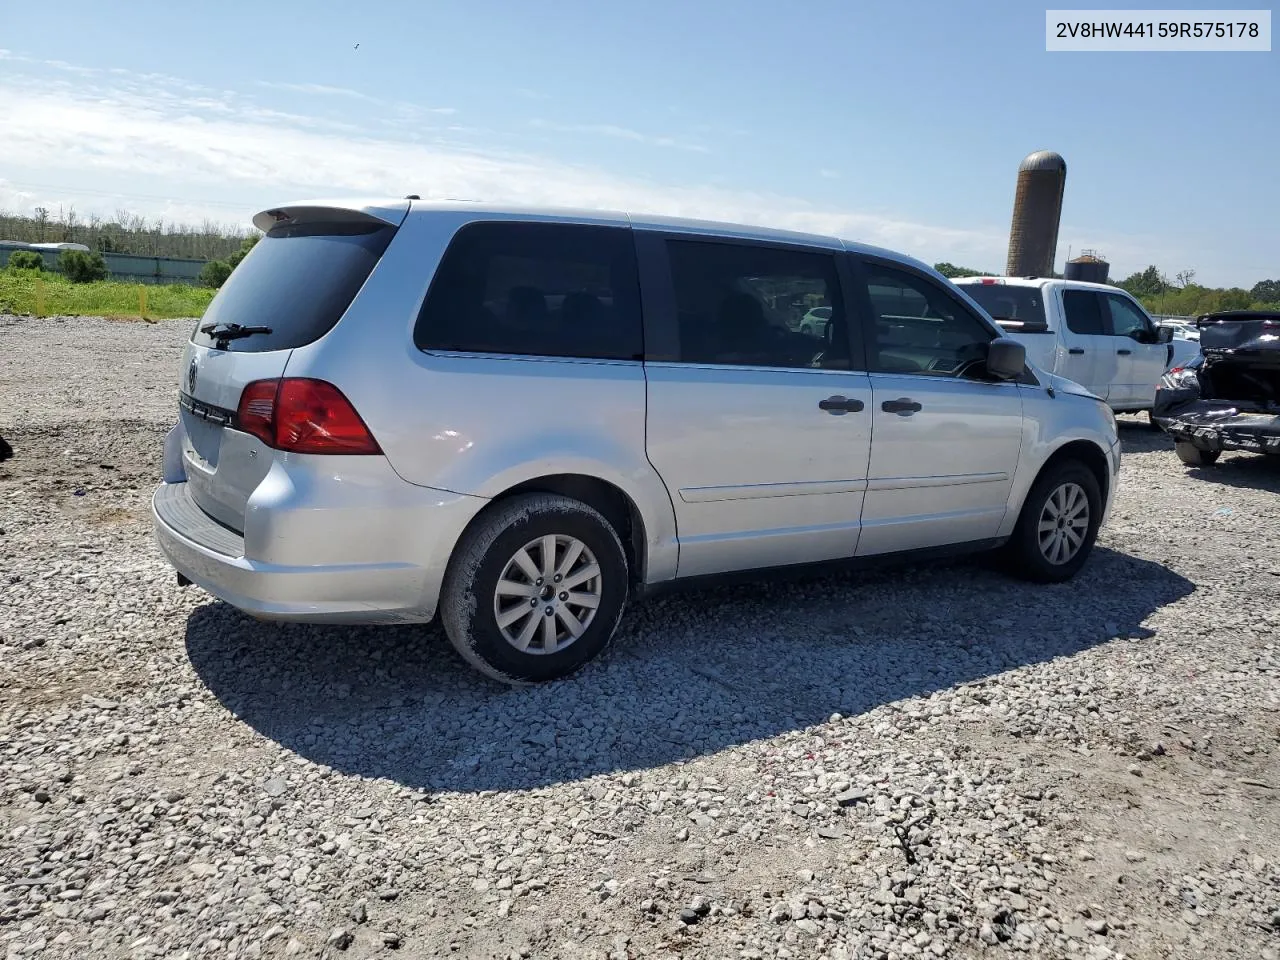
{"x":1058,"y":525}
{"x":535,"y":589}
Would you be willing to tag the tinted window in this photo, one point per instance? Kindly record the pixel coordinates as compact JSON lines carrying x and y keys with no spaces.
{"x":919,"y":327}
{"x":747,"y":304}
{"x":535,"y":289}
{"x":1084,"y":312}
{"x":298,"y":280}
{"x":1013,"y":307}
{"x":1126,"y":319}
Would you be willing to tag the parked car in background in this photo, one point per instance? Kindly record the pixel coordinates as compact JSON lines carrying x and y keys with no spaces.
{"x":1097,"y":335}
{"x":1227,"y":397}
{"x":518,"y":421}
{"x":1184,"y":328}
{"x":816,"y":321}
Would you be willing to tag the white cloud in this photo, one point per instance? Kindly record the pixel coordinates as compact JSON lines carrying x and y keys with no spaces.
{"x":319,"y":89}
{"x":227,"y":146}
{"x":131,"y":79}
{"x":406,"y":111}
{"x":618,"y":133}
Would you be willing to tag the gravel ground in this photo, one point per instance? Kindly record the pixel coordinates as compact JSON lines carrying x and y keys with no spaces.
{"x":932,"y":761}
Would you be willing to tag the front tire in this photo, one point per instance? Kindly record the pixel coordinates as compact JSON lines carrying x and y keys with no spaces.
{"x":535,"y":589}
{"x":1193,"y":456}
{"x":1058,"y":525}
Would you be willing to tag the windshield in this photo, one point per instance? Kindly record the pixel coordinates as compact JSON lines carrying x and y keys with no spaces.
{"x":298,"y":280}
{"x":1021,"y":305}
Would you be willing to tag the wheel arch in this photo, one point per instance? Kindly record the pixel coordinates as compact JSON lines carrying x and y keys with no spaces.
{"x":1082,"y":451}
{"x":610,"y":500}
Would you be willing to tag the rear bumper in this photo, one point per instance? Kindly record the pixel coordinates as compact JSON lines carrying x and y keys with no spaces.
{"x":1214,"y":433}
{"x":391,"y":575}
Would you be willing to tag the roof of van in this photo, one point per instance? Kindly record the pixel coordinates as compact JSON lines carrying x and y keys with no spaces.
{"x":394,"y":211}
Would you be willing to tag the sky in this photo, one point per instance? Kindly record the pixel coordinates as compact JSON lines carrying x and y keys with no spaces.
{"x":900,"y":124}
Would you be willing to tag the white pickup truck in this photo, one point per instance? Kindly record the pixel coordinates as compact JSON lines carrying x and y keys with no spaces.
{"x":1097,"y":335}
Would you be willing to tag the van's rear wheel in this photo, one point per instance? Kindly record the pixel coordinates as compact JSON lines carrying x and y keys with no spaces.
{"x":535,"y":589}
{"x":1193,"y":456}
{"x":1058,"y":526}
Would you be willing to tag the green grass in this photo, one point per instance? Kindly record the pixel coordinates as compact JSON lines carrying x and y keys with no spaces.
{"x":49,"y":294}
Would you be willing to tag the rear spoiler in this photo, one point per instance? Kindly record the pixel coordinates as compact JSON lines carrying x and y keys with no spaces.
{"x":390,"y":214}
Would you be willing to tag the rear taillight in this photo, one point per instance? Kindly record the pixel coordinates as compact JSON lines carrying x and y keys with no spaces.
{"x":303,"y":416}
{"x":256,"y":414}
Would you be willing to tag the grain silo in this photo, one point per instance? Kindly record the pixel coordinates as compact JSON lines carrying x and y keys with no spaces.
{"x":1089,"y":266}
{"x":1037,"y":209}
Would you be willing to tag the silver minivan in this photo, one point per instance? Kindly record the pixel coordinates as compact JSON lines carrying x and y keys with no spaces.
{"x":517,"y":420}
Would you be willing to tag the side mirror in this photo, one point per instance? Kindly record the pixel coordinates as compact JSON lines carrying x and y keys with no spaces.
{"x":1006,"y":358}
{"x":1164,"y":334}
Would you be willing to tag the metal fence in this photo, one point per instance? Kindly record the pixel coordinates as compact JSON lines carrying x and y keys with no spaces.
{"x":123,"y":266}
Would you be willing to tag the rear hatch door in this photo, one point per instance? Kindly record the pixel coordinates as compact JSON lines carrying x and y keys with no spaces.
{"x":1242,"y":334}
{"x":293,"y":287}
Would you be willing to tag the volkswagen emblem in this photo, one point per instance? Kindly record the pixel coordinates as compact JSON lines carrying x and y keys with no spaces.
{"x":191,"y":377}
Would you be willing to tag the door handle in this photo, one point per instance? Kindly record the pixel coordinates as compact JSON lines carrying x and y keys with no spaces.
{"x":840,"y":405}
{"x":1124,"y":353}
{"x":902,"y":406}
{"x":1076,"y":351}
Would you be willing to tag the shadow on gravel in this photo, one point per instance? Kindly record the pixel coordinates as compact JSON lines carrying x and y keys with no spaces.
{"x":691,"y":673}
{"x":1137,"y":435}
{"x":1252,"y":471}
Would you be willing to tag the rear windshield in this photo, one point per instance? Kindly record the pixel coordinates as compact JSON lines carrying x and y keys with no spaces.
{"x":1014,"y":308}
{"x":298,"y":280}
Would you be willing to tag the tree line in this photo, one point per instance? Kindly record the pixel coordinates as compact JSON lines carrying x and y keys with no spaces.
{"x":1181,"y":296}
{"x":125,"y":232}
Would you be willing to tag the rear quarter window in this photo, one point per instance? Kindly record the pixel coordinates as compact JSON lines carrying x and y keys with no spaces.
{"x":298,"y":280}
{"x":535,"y":289}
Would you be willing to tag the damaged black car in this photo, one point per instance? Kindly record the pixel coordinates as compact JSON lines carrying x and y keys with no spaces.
{"x":1227,"y":397}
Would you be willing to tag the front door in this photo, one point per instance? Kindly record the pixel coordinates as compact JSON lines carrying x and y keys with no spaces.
{"x":760,"y":432}
{"x":945,"y":440}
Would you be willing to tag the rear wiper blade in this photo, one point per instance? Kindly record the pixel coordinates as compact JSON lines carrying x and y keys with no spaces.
{"x":232,"y":331}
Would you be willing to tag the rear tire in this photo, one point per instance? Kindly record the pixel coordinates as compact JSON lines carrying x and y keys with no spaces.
{"x":535,"y":589}
{"x":1058,"y":525}
{"x":1193,"y":456}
